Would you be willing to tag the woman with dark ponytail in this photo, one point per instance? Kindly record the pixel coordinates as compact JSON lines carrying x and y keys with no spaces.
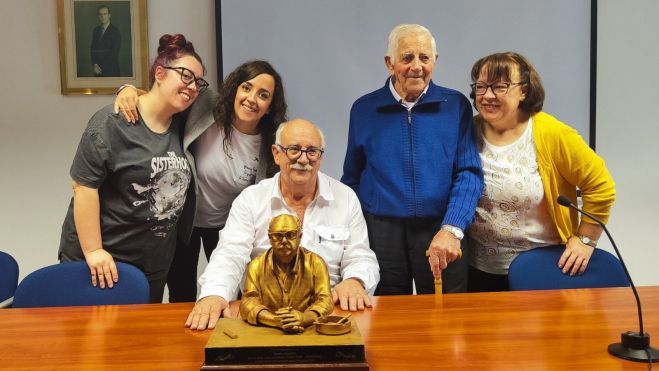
{"x":130,"y":181}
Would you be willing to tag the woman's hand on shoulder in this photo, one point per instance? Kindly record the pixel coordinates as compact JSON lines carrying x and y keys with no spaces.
{"x":126,"y":103}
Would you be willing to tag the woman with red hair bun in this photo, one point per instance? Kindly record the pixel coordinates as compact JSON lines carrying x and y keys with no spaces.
{"x":130,"y":181}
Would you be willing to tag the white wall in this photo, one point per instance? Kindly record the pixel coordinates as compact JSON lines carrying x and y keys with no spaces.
{"x":628,"y":127}
{"x":40,"y":128}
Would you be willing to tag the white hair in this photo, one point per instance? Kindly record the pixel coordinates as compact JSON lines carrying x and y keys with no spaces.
{"x":282,"y":126}
{"x":403,"y":30}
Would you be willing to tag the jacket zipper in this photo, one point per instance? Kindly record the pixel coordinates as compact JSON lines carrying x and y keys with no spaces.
{"x":409,"y":122}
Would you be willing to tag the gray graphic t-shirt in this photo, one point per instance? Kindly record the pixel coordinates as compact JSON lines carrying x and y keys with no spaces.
{"x":142,"y":178}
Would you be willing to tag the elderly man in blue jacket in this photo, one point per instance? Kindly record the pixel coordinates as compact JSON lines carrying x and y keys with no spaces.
{"x":414,"y":165}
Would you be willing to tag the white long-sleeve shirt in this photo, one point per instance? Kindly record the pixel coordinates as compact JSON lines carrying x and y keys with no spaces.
{"x":333,"y":228}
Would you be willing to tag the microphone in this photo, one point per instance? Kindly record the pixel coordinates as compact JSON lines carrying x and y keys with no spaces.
{"x":634,"y":346}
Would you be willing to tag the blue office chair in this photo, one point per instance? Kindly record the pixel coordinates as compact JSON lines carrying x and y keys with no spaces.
{"x":8,"y":279}
{"x":69,"y":284}
{"x":537,"y":269}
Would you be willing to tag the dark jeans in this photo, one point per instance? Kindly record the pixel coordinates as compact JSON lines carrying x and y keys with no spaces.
{"x":480,"y":281}
{"x":182,"y":278}
{"x":156,"y":288}
{"x":400,"y":245}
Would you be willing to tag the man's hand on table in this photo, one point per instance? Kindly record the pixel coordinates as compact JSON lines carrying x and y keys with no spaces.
{"x":206,"y":313}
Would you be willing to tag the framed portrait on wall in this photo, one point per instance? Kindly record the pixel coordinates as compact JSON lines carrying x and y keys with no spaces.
{"x":102,"y":45}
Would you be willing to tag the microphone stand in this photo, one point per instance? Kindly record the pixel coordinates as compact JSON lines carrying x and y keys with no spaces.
{"x":634,"y":346}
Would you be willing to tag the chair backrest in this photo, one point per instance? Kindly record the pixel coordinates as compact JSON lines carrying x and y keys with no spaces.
{"x":69,"y":284}
{"x":8,"y":279}
{"x":537,"y":269}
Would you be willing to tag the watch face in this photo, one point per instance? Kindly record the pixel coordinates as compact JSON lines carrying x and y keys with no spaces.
{"x":587,"y":241}
{"x":455,"y":231}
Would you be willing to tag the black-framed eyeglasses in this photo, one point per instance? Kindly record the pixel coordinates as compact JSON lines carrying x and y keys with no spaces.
{"x":294,"y":152}
{"x":498,"y":88}
{"x":279,"y":236}
{"x":188,"y":76}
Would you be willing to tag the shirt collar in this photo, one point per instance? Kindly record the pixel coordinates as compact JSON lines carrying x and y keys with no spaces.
{"x":400,"y":99}
{"x":324,"y":191}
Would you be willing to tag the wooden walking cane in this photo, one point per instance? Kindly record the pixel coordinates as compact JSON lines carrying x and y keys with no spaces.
{"x":438,"y":280}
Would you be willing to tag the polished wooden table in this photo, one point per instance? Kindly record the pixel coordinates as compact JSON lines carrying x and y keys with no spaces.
{"x":564,"y":329}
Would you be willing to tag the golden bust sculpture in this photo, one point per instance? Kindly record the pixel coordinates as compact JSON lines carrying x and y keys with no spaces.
{"x":288,"y":286}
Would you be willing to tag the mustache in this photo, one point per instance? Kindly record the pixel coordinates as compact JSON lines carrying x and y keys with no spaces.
{"x":287,"y":248}
{"x":297,"y":166}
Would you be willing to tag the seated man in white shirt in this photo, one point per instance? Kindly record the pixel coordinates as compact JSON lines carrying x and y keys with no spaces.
{"x":332,"y":222}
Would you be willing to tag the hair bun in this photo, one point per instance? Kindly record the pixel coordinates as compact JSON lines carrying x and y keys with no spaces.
{"x":174,"y":42}
{"x":170,"y":48}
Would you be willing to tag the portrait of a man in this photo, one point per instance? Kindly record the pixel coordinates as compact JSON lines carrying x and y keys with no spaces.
{"x":103,"y":38}
{"x":106,"y":41}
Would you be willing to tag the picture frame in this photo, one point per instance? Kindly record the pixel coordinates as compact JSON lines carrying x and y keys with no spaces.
{"x":102,"y":45}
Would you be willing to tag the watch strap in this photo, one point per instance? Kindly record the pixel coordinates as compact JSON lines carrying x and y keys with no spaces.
{"x":455,"y":231}
{"x":123,"y":86}
{"x":587,"y":241}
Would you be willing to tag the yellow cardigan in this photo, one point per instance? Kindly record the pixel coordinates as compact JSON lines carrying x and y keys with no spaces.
{"x":565,"y":162}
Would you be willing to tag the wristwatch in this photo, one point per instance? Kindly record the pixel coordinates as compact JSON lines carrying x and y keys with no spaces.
{"x":122,"y":88}
{"x":587,"y":241}
{"x":455,"y":231}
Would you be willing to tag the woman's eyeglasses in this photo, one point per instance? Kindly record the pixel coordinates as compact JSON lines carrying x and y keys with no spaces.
{"x":188,"y":76}
{"x":498,"y":88}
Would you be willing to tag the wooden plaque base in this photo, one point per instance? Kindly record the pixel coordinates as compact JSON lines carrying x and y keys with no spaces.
{"x":237,"y":345}
{"x":362,"y":366}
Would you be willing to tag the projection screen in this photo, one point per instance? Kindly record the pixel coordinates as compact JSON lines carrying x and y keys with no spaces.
{"x":329,"y":53}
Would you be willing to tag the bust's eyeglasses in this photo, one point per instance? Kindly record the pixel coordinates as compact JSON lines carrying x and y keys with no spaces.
{"x":294,"y":152}
{"x":188,"y":76}
{"x":498,"y":88}
{"x":279,"y":236}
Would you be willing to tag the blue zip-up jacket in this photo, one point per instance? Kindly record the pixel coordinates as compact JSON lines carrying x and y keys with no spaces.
{"x":418,"y":164}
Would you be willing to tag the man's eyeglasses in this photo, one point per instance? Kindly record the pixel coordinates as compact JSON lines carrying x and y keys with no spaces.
{"x":279,"y":236}
{"x":188,"y":76}
{"x":498,"y":88}
{"x":294,"y":152}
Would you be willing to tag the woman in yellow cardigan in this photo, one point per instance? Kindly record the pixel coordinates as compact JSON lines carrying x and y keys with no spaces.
{"x":529,"y":158}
